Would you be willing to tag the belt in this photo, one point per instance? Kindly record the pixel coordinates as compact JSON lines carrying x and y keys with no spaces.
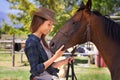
{"x":37,"y":79}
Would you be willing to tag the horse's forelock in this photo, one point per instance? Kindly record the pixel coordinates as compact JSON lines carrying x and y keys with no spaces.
{"x":81,"y":8}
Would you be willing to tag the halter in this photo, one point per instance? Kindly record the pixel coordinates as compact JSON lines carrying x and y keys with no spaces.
{"x":66,"y":35}
{"x":86,"y":33}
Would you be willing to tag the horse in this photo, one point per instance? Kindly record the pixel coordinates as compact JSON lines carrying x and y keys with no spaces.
{"x":90,"y":25}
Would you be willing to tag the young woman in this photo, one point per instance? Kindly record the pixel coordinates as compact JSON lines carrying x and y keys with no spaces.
{"x":42,"y":65}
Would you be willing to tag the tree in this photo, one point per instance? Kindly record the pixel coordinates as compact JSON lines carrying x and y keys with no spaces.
{"x":106,"y":7}
{"x":6,"y":29}
{"x":25,"y":9}
{"x":64,"y":9}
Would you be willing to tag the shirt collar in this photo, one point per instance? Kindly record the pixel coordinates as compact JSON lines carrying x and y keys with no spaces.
{"x":34,"y":37}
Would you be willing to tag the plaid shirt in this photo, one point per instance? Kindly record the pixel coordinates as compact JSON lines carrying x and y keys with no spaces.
{"x":37,"y":56}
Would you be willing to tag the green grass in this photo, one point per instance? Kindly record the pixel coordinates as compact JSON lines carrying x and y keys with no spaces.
{"x":7,"y":72}
{"x":13,"y":74}
{"x":21,"y":72}
{"x":84,"y":71}
{"x":92,"y":73}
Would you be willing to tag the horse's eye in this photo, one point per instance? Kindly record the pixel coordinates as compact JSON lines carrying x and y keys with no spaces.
{"x":74,"y":23}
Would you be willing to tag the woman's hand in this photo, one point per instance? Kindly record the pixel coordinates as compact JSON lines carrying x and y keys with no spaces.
{"x":62,"y":62}
{"x":59,"y":52}
{"x":68,"y":60}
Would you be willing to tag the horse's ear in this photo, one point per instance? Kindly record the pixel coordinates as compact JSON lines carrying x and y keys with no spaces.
{"x":88,"y":5}
{"x":82,"y":5}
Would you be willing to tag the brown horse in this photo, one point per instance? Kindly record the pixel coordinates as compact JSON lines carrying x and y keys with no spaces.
{"x":87,"y":25}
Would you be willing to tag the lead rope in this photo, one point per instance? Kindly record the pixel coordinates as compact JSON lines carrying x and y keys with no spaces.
{"x":72,"y":67}
{"x":88,"y":36}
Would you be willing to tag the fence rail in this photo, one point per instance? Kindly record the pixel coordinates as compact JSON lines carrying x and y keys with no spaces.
{"x":10,"y":45}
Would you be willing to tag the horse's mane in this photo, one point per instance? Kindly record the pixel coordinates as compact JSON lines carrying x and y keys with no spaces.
{"x":111,"y":28}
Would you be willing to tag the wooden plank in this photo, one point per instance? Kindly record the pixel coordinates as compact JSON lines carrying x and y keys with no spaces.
{"x":115,"y":17}
{"x":5,"y":52}
{"x":10,"y":41}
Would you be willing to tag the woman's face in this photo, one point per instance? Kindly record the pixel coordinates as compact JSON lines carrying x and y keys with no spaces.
{"x":46,"y":27}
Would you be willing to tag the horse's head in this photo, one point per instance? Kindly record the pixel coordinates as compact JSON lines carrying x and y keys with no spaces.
{"x":74,"y":31}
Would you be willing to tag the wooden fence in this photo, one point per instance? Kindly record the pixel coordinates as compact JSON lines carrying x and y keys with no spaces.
{"x":12,"y":45}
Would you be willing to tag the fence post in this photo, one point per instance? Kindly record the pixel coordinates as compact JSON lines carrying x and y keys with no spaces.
{"x":13,"y":51}
{"x":21,"y":57}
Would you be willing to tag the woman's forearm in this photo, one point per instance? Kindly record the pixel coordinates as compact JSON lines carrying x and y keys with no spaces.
{"x":62,"y":62}
{"x":49,"y":62}
{"x":58,"y":53}
{"x":59,"y":63}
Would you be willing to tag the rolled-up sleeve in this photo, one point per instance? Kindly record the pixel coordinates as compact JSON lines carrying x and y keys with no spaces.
{"x":34,"y":57}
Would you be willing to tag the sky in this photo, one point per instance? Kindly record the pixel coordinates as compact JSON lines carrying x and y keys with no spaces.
{"x":4,"y":10}
{"x":4,"y":6}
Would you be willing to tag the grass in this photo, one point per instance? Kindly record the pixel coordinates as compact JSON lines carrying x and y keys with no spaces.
{"x":21,"y":70}
{"x":13,"y":74}
{"x":84,"y":71}
{"x":92,"y":73}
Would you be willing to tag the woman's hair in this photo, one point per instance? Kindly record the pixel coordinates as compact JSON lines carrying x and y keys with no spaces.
{"x":35,"y":24}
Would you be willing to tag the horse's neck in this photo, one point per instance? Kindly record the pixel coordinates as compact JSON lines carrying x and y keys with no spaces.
{"x":107,"y":47}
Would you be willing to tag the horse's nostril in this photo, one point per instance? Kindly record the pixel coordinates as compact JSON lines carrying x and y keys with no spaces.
{"x":52,"y":44}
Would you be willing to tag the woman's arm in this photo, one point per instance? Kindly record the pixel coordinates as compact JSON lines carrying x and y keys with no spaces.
{"x":34,"y":59}
{"x":62,"y":62}
{"x":58,"y":53}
